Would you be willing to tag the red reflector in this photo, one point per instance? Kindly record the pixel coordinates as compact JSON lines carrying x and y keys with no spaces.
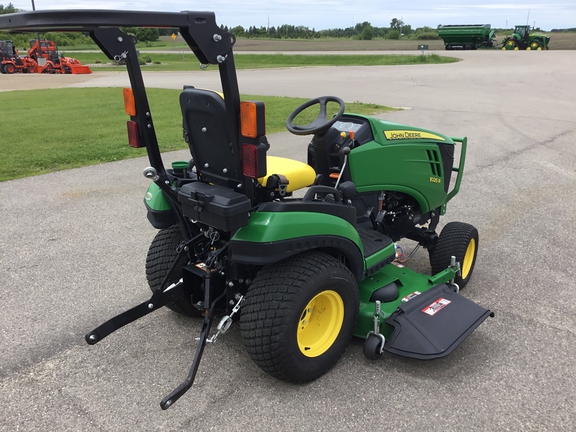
{"x":133,"y":138}
{"x":250,"y":161}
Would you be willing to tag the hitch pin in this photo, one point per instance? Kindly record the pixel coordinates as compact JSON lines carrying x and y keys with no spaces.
{"x":225,"y":322}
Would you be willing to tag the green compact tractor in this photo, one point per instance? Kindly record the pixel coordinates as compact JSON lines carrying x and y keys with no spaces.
{"x":303,"y":255}
{"x":522,"y":39}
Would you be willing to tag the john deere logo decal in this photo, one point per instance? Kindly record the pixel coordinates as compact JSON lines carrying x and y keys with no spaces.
{"x":408,"y":134}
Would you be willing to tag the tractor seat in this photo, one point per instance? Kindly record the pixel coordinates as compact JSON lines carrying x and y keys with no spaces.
{"x":299,"y":174}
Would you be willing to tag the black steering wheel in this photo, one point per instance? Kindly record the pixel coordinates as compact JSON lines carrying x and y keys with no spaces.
{"x":321,"y":123}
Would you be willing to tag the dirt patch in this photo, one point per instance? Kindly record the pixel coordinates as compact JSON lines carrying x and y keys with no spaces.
{"x":334,"y":45}
{"x":558,"y":41}
{"x":39,"y":81}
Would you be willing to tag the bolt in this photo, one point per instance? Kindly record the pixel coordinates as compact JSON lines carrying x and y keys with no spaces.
{"x":272,"y":194}
{"x":224,"y":170}
{"x":237,"y":296}
{"x":204,"y":129}
{"x":167,"y":182}
{"x":119,"y":39}
{"x":168,"y":403}
{"x":185,"y":248}
{"x":220,"y":59}
{"x":150,"y":305}
{"x":206,"y":165}
{"x":93,"y":337}
{"x":149,"y":126}
{"x":239,"y":186}
{"x":231,"y":302}
{"x":217,"y":38}
{"x":148,"y":114}
{"x":231,"y":284}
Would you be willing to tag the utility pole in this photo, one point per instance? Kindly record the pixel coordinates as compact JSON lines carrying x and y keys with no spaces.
{"x":37,"y":36}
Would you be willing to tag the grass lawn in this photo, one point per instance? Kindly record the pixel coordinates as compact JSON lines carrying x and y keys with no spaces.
{"x":55,"y":129}
{"x":186,"y":61}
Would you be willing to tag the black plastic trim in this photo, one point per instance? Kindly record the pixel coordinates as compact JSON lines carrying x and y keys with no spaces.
{"x":160,"y":219}
{"x":261,"y":254}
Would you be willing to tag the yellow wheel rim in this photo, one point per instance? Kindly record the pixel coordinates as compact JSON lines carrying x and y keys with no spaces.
{"x":320,"y":323}
{"x":468,"y":258}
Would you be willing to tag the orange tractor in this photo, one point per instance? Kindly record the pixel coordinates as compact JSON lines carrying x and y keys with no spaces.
{"x":45,"y":53}
{"x":11,"y":62}
{"x":43,"y":57}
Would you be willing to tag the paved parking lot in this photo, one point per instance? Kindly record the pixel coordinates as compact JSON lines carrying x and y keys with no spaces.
{"x":73,"y":244}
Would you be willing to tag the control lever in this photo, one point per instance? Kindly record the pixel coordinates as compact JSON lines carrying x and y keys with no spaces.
{"x":345,"y":151}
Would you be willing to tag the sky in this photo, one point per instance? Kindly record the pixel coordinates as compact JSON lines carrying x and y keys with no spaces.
{"x":326,"y":14}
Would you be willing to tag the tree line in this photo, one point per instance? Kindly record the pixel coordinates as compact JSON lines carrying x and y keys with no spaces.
{"x":361,"y":31}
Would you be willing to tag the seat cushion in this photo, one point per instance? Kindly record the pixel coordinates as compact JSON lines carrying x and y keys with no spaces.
{"x":299,"y":174}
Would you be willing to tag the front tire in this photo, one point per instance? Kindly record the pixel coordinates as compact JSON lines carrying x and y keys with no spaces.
{"x":161,"y":255}
{"x":299,"y":316}
{"x":460,"y":240}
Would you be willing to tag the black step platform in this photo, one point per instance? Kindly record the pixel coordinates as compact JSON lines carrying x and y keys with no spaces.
{"x":373,"y":241}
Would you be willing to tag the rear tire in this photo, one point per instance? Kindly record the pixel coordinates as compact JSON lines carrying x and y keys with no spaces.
{"x":299,"y":316}
{"x":510,"y":44}
{"x":460,"y":240}
{"x":9,"y":68}
{"x":161,"y":255}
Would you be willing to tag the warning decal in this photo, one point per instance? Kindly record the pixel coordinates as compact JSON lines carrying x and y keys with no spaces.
{"x":437,"y":306}
{"x":410,"y":296}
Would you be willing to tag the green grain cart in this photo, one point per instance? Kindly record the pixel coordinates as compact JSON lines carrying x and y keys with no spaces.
{"x":468,"y":36}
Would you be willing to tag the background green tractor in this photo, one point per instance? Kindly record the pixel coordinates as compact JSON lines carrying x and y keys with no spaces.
{"x":522,"y":39}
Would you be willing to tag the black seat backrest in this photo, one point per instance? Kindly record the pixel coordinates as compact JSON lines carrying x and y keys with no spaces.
{"x":205,"y":125}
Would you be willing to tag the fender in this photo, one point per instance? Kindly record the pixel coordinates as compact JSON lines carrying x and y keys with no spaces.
{"x":271,"y":237}
{"x":159,"y":211}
